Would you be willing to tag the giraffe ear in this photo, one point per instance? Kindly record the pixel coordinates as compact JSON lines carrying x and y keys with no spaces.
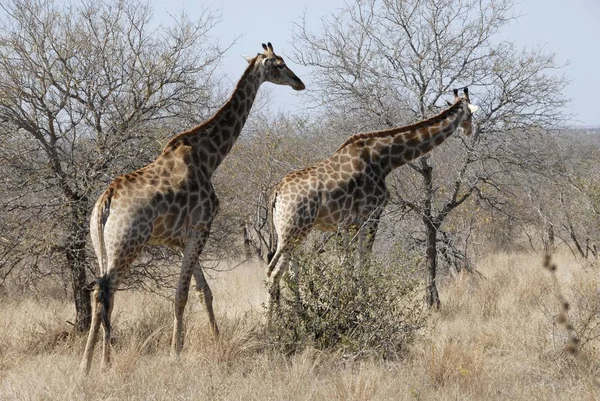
{"x":473,"y":108}
{"x":248,"y":58}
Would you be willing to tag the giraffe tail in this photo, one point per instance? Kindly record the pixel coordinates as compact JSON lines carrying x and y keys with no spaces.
{"x":103,"y":289}
{"x":272,"y":234}
{"x":103,"y":283}
{"x":103,"y":213}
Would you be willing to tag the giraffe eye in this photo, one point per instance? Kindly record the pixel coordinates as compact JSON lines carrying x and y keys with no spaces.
{"x":281,"y":66}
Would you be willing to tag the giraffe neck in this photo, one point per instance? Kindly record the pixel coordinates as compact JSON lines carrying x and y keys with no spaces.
{"x":390,"y":149}
{"x":212,"y":140}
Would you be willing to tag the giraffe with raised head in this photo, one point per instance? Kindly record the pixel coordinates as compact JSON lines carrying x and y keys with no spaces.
{"x":348,"y":189}
{"x":171,"y":201}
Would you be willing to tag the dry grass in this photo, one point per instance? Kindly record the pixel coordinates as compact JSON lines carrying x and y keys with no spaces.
{"x":495,"y":339}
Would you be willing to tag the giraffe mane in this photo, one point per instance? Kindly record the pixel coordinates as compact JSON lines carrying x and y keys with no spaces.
{"x":393,"y":131}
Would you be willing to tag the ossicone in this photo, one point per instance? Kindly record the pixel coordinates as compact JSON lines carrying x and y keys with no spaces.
{"x":268,"y":47}
{"x":466,"y":92}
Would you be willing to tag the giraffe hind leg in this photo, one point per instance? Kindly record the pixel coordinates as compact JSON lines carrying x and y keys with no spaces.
{"x":205,"y":294}
{"x":272,"y":258}
{"x":276,"y":269}
{"x":86,"y":361}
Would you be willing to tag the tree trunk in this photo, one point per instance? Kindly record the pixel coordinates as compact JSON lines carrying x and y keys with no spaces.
{"x":77,"y":262}
{"x":431,"y":228}
{"x":81,"y":292}
{"x":432,"y":297}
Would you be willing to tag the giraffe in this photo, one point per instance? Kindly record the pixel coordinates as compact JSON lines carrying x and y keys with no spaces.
{"x":348,"y":189}
{"x":171,"y":201}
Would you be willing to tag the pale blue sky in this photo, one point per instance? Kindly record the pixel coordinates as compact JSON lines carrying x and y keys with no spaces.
{"x":569,"y":28}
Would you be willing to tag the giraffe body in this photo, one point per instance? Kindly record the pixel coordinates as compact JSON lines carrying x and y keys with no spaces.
{"x":348,"y":189}
{"x":172,"y":202}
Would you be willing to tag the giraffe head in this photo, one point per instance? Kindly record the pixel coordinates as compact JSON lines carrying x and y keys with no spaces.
{"x":468,"y":109}
{"x":274,"y":68}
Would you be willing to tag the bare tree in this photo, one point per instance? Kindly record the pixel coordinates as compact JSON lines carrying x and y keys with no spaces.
{"x":391,"y":62}
{"x":564,"y":196}
{"x":84,"y":89}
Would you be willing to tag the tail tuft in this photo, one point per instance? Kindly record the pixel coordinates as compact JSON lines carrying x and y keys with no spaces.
{"x":104,"y":300}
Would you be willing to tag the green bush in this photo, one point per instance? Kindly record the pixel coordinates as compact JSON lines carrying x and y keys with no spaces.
{"x":373,"y":310}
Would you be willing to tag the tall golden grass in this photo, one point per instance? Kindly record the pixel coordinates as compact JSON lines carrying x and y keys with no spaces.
{"x":495,"y":338}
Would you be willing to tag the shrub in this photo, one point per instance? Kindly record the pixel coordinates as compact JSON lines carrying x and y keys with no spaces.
{"x":370,"y":310}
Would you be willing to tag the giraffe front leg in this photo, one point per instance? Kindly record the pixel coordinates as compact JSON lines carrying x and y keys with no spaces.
{"x":205,"y":294}
{"x":366,"y":237}
{"x":192,"y":251}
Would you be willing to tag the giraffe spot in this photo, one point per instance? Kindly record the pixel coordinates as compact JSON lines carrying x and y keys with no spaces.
{"x":351,"y":186}
{"x":397,"y":149}
{"x":438,"y":140}
{"x":365,"y":154}
{"x":235,"y":104}
{"x":346,"y":168}
{"x":181,"y":198}
{"x":358,"y":164}
{"x":147,"y":213}
{"x":377,"y":146}
{"x":209,"y":146}
{"x":426,"y":147}
{"x":169,"y":196}
{"x":434,"y":130}
{"x":229,"y":120}
{"x":173,"y":211}
{"x":211,"y":160}
{"x":185,"y":211}
{"x":342,"y":159}
{"x":226,"y":145}
{"x":337,"y":194}
{"x":412,"y":140}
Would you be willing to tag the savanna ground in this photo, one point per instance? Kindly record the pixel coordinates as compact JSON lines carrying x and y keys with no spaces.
{"x":495,"y":338}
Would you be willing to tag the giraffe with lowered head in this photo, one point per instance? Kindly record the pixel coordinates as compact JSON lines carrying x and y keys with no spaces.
{"x":348,"y":189}
{"x":171,"y":201}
